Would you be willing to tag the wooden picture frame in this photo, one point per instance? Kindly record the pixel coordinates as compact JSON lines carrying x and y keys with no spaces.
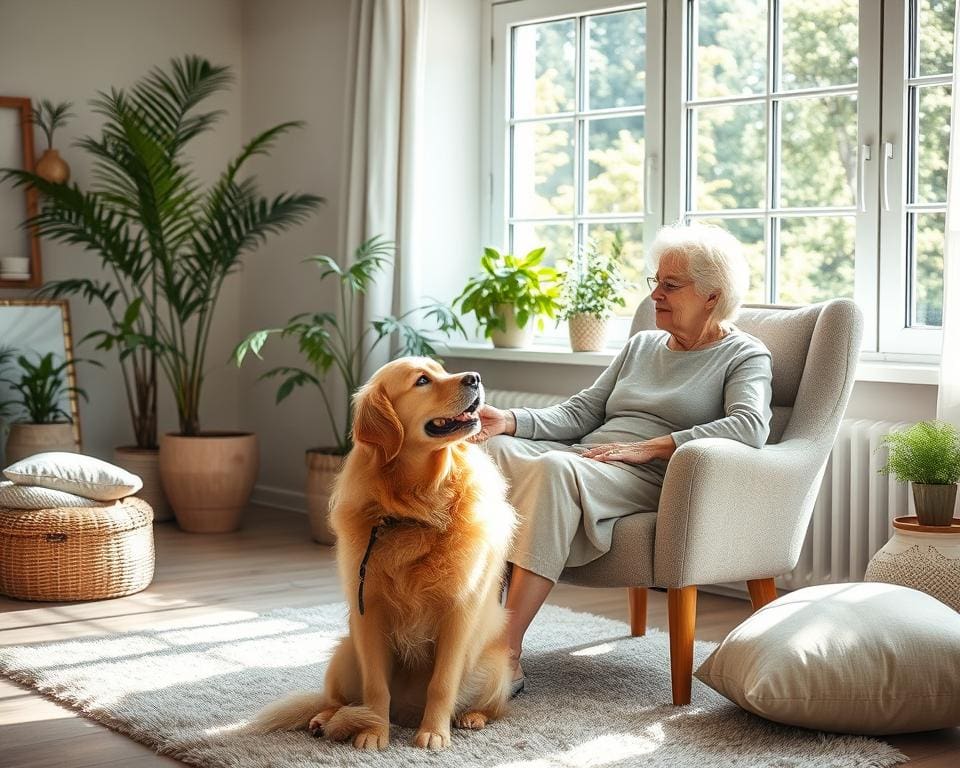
{"x":25,"y":124}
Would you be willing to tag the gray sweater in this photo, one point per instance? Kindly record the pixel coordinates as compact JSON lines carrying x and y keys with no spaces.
{"x":650,"y":390}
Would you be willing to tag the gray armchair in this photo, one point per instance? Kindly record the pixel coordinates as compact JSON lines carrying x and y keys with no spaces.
{"x":729,"y":512}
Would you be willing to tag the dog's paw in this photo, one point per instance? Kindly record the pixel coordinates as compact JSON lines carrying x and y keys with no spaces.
{"x":372,"y":738}
{"x":320,"y":720}
{"x":431,"y":740}
{"x":472,"y":721}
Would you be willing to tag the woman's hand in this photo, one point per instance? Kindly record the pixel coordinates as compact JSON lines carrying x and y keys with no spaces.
{"x":633,"y":453}
{"x":493,"y":422}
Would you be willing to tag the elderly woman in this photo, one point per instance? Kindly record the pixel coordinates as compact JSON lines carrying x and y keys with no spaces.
{"x":576,"y":467}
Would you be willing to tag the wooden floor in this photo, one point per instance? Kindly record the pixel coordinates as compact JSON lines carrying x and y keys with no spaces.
{"x":269,"y":564}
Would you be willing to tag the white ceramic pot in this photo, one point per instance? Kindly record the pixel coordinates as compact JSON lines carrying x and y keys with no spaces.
{"x":513,"y":337}
{"x":322,"y":470}
{"x":924,"y":557}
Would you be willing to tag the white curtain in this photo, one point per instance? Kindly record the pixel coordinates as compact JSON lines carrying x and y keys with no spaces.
{"x":948,"y":396}
{"x":388,"y":43}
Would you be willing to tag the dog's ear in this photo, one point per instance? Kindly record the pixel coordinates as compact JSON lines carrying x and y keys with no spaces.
{"x":376,"y":423}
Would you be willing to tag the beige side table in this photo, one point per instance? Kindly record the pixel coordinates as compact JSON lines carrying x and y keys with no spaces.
{"x":924,"y":557}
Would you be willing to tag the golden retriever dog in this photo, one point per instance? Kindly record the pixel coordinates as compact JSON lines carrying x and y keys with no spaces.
{"x":423,"y":528}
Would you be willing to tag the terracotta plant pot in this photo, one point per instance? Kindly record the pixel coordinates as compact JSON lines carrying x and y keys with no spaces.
{"x":208,"y":478}
{"x":588,"y":333}
{"x":934,"y":503}
{"x":27,"y":439}
{"x":513,"y":337}
{"x":145,"y":463}
{"x":322,"y":469}
{"x":52,"y":167}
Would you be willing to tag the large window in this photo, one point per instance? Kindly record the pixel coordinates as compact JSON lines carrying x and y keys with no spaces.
{"x":816,"y":131}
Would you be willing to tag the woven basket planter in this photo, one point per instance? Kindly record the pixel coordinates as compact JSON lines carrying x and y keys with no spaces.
{"x":76,"y":553}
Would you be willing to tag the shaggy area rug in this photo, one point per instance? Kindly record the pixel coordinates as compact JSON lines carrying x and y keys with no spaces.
{"x":595,"y":697}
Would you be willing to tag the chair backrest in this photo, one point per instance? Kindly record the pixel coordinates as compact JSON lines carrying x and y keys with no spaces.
{"x":814,"y":351}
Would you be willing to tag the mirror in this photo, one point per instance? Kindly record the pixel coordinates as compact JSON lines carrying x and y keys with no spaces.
{"x":19,"y":248}
{"x":38,"y":327}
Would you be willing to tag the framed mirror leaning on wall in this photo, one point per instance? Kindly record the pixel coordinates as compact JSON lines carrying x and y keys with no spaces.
{"x":19,"y":248}
{"x":35,"y":328}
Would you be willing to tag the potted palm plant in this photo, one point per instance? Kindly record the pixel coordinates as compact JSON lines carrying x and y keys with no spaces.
{"x":329,"y":342}
{"x":511,"y":296}
{"x":34,"y":407}
{"x":927,"y":455}
{"x":593,"y":286}
{"x":48,"y":117}
{"x":167,"y":243}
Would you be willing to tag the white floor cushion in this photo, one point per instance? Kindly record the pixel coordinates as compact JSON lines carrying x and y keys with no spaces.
{"x":75,"y":473}
{"x":850,"y":658}
{"x":13,"y":496}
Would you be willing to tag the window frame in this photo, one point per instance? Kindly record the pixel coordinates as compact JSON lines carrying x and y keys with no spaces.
{"x":503,"y":17}
{"x":880,"y":255}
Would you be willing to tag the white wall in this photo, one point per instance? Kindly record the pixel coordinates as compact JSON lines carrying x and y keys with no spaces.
{"x":67,"y":50}
{"x":296,"y":62}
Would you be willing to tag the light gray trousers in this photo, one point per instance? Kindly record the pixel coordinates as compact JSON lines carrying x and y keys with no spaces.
{"x":567,"y":505}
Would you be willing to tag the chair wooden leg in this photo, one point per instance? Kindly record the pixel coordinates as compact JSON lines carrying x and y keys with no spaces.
{"x":762,"y":591}
{"x":638,"y":610}
{"x":682,"y":616}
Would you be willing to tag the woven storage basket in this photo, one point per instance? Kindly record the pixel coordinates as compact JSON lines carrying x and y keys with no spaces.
{"x":76,"y":553}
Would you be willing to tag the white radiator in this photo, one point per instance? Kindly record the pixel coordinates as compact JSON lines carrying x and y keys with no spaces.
{"x":854,"y":509}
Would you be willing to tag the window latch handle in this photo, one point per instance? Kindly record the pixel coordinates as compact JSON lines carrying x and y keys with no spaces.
{"x":887,"y":156}
{"x":866,"y":152}
{"x":650,"y":165}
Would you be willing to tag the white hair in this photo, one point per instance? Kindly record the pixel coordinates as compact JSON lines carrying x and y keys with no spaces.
{"x":714,"y":259}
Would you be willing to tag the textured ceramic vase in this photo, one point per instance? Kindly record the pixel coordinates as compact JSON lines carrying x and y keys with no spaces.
{"x":53,"y":168}
{"x":27,"y":439}
{"x":926,"y":558}
{"x":145,"y":463}
{"x":208,"y":478}
{"x":513,"y":337}
{"x":322,"y":470}
{"x":588,"y":333}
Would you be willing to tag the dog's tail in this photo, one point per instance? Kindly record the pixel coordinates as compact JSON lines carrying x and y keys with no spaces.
{"x":290,"y":714}
{"x":349,"y":721}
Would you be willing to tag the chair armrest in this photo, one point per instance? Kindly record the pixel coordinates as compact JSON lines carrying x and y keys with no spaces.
{"x":729,"y":512}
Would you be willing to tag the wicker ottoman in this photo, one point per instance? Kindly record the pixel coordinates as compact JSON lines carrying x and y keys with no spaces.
{"x":76,"y":553}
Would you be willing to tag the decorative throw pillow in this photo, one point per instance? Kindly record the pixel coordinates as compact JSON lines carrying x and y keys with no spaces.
{"x":74,"y":473}
{"x":851,"y":658}
{"x":13,"y":496}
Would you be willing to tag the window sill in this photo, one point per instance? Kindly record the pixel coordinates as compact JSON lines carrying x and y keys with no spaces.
{"x":889,"y":371}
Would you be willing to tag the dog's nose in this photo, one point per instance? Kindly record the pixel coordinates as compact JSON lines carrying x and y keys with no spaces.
{"x":471,"y":380}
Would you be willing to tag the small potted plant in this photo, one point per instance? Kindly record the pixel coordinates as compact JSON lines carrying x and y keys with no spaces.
{"x":510,"y":296}
{"x":34,"y":405}
{"x":927,"y":455}
{"x":328,"y":342}
{"x":593,"y":286}
{"x":49,"y":116}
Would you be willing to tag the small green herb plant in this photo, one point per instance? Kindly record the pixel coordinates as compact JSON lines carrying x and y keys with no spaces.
{"x":328,"y":340}
{"x":37,"y":388}
{"x":523,"y":282}
{"x":926,"y":453}
{"x":593,"y":283}
{"x":49,"y":116}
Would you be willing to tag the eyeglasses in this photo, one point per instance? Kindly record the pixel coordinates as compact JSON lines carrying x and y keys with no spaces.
{"x":667,"y":286}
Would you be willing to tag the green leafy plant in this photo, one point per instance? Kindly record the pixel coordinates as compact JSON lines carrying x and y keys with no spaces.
{"x":328,"y":340}
{"x":49,"y":116}
{"x":531,"y":289}
{"x":593,"y":283}
{"x":38,"y":388}
{"x":927,"y":452}
{"x":166,"y":243}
